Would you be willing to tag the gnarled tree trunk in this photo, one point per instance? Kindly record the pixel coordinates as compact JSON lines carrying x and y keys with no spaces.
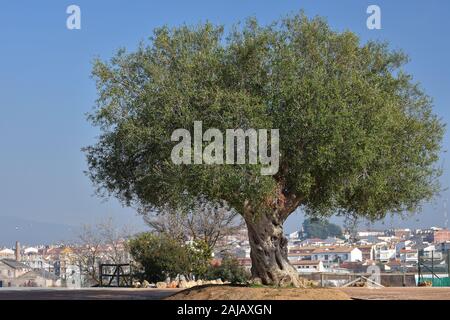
{"x":269,"y":253}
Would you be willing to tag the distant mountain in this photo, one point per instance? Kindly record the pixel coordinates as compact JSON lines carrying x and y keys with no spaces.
{"x":29,"y":232}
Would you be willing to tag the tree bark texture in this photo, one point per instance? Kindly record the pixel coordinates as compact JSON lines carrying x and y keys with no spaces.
{"x":269,"y":252}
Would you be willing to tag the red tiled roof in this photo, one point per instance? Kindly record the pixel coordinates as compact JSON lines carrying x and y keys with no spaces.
{"x":408,"y":251}
{"x":367,"y":248}
{"x":394,"y":263}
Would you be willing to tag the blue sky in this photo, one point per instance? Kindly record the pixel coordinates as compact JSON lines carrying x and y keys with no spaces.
{"x":45,"y":85}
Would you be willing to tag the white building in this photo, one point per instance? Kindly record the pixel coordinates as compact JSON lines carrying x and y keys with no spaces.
{"x":337,"y":254}
{"x":294,"y":235}
{"x":33,"y":258}
{"x":7,"y":254}
{"x":385,"y":254}
{"x":431,"y":252}
{"x":409,"y":255}
{"x":370,"y":233}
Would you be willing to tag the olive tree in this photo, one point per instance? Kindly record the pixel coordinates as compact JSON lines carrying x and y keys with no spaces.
{"x":357,"y":135}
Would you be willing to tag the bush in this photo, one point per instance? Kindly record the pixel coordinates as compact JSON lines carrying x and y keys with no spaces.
{"x":160,"y":256}
{"x":230,"y":270}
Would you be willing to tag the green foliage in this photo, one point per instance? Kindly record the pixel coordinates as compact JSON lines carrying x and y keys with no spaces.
{"x":357,"y":135}
{"x":316,"y":228}
{"x":200,"y":258}
{"x":160,"y":257}
{"x":230,"y":270}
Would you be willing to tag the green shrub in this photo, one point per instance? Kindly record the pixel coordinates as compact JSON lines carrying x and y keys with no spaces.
{"x":230,"y":270}
{"x":159,"y":257}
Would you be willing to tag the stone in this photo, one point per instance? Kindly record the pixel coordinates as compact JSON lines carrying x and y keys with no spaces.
{"x":136,"y":284}
{"x":173,"y":284}
{"x":183,"y":284}
{"x":161,"y":285}
{"x":199,"y":282}
{"x":145,"y":284}
{"x":219,"y":281}
{"x":256,"y":282}
{"x":312,"y":284}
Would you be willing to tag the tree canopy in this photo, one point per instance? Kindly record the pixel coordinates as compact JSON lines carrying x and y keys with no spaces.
{"x":322,"y":229}
{"x":357,"y":134}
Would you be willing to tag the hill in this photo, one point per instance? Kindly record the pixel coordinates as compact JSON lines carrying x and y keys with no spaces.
{"x":30,"y":232}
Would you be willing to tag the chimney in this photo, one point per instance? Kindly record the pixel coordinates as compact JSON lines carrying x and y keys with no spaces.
{"x":18,"y":257}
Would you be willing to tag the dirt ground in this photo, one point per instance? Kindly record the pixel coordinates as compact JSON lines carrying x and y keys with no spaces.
{"x":243,"y":293}
{"x":227,"y":292}
{"x":408,"y":293}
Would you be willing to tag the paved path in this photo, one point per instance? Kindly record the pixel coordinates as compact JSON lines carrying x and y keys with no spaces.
{"x":85,"y":294}
{"x":156,"y":294}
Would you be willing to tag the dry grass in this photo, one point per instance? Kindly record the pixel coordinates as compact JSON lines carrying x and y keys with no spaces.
{"x":263,"y":293}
